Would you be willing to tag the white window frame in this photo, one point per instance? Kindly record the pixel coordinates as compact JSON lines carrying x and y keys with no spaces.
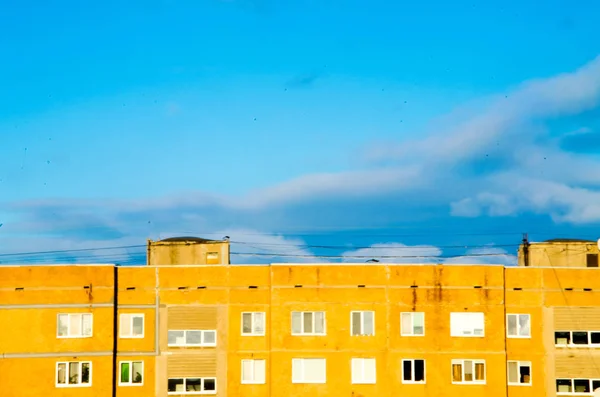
{"x":462,"y":364}
{"x":572,"y":392}
{"x":362,"y":323}
{"x":518,"y":335}
{"x":202,"y":379}
{"x":313,"y":333}
{"x":254,"y":381}
{"x":67,"y":368}
{"x":130,"y":382}
{"x":297,"y":379}
{"x":412,"y":371}
{"x":456,"y":328}
{"x":577,"y":345}
{"x":131,"y":317}
{"x":69,"y":335}
{"x":362,"y":362}
{"x":253,"y":331}
{"x":519,"y":365}
{"x":203,"y":332}
{"x":412,"y":324}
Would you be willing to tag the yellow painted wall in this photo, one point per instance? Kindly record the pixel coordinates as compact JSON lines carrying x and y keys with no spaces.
{"x":187,"y":253}
{"x":277,"y":290}
{"x":558,"y":254}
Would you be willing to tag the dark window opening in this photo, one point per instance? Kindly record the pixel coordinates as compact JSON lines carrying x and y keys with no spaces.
{"x":595,"y":338}
{"x":592,"y":260}
{"x":580,"y":338}
{"x":562,"y":338}
{"x":407,"y":370}
{"x":210,"y":385}
{"x":564,"y":385}
{"x":582,"y":386}
{"x":524,"y":374}
{"x":419,"y":370}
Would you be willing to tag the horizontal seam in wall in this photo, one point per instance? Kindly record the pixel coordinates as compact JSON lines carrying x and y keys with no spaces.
{"x":73,"y":354}
{"x":73,"y":306}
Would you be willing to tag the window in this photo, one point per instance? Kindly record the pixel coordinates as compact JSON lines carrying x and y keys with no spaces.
{"x":308,"y":323}
{"x":132,"y":373}
{"x":592,"y":260}
{"x":132,"y":326}
{"x":309,"y":370}
{"x":192,"y":386}
{"x":576,"y":386}
{"x":412,"y":324}
{"x":78,"y":325}
{"x":253,"y":323}
{"x":519,"y":373}
{"x":468,"y":371}
{"x":577,"y":338}
{"x":192,"y":338}
{"x":518,"y":326}
{"x":413,"y":371}
{"x":362,"y":323}
{"x":212,"y":258}
{"x":364,"y":371}
{"x":467,"y":324}
{"x":74,"y":374}
{"x":253,"y":372}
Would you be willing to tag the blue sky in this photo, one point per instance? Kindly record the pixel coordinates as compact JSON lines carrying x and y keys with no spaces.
{"x":300,"y":123}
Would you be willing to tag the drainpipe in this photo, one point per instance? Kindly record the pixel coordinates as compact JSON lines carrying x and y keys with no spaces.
{"x":115,"y":328}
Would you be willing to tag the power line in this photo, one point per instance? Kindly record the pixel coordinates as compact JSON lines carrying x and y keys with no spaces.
{"x":72,"y":250}
{"x":362,"y":256}
{"x":374,"y":246}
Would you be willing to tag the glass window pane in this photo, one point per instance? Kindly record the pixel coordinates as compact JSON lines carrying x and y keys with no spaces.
{"x":85,"y":373}
{"x":355,"y":324}
{"x":406,"y":320}
{"x":407,"y":370}
{"x":210,"y":337}
{"x":73,"y":373}
{"x":419,"y":323}
{"x":297,"y":373}
{"x":193,"y":384}
{"x":209,"y":384}
{"x":370,"y":369}
{"x":124,"y":372}
{"x":357,"y":367}
{"x":61,"y":373}
{"x":314,"y":370}
{"x":308,"y":322}
{"x":524,"y":328}
{"x":87,"y":325}
{"x":75,"y":324}
{"x":595,"y":338}
{"x":247,"y":323}
{"x":175,"y":337}
{"x":137,"y":372}
{"x":525,"y":373}
{"x":175,"y":385}
{"x":564,"y":385}
{"x":319,"y":322}
{"x":125,"y":325}
{"x":138,"y":325}
{"x":581,"y":385}
{"x":296,"y":323}
{"x":259,"y":323}
{"x":513,"y":372}
{"x":468,"y":370}
{"x":580,"y":338}
{"x":247,"y":374}
{"x":479,"y":371}
{"x":369,"y":323}
{"x":419,"y":370}
{"x":456,"y":372}
{"x":193,"y":337}
{"x":562,"y":338}
{"x":511,"y":324}
{"x":259,"y":371}
{"x":63,"y":325}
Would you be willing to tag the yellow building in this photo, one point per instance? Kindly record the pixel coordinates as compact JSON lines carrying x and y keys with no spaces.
{"x":355,"y":330}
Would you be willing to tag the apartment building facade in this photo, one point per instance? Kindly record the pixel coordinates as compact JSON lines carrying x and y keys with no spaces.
{"x":298,"y":330}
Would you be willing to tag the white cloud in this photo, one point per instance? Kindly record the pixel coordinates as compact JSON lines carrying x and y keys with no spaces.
{"x":401,"y":253}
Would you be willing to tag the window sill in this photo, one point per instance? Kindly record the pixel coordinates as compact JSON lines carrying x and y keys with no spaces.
{"x":469,"y":383}
{"x":73,"y":337}
{"x":518,"y":337}
{"x":130,"y":384}
{"x":411,"y":382}
{"x":253,"y":334}
{"x":411,"y":335}
{"x":252,"y":383}
{"x":519,"y":384}
{"x":131,"y":337}
{"x":69,"y":386}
